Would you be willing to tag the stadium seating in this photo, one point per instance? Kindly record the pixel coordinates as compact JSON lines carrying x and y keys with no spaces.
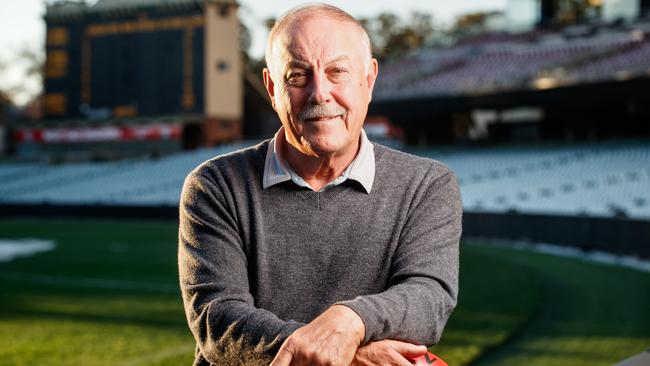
{"x":610,"y":179}
{"x":514,"y":62}
{"x":621,"y":64}
{"x":601,"y":180}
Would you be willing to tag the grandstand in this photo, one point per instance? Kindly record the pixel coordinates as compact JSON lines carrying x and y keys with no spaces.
{"x":532,"y":60}
{"x":599,"y":180}
{"x":586,"y":81}
{"x":126,"y":182}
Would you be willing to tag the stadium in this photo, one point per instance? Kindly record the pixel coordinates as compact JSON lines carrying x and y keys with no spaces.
{"x":545,"y":122}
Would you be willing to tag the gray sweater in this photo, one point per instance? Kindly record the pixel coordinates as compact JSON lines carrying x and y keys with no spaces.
{"x":256,"y":264}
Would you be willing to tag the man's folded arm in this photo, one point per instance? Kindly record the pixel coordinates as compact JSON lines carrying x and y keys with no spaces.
{"x":214,"y":279}
{"x":423,"y":284}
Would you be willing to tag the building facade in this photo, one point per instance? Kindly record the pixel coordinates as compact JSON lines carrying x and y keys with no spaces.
{"x":171,"y":63}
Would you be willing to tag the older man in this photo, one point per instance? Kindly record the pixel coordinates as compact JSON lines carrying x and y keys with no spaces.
{"x":318,"y":247}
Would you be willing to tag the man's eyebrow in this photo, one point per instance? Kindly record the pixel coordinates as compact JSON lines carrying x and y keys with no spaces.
{"x":299,"y":63}
{"x":306,"y":65}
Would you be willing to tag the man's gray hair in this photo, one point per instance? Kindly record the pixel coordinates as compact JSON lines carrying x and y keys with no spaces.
{"x":305,"y":11}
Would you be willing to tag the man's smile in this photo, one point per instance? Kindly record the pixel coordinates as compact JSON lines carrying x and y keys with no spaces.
{"x":323,"y":119}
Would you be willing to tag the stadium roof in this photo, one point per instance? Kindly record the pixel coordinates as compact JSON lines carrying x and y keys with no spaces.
{"x":65,"y":8}
{"x":76,"y":8}
{"x":127,"y":4}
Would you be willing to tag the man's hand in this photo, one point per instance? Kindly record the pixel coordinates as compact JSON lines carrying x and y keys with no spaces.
{"x":387,"y":352}
{"x":330,"y":339}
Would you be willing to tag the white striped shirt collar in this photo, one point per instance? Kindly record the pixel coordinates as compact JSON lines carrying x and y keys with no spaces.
{"x":361,"y":169}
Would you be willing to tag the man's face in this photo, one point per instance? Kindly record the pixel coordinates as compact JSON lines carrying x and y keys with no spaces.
{"x":319,"y":85}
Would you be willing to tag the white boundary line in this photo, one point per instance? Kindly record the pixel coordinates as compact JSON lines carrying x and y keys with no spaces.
{"x":17,"y":248}
{"x":596,"y":257}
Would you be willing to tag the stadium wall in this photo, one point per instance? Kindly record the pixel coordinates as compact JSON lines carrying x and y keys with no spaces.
{"x":601,"y":110}
{"x":613,"y":235}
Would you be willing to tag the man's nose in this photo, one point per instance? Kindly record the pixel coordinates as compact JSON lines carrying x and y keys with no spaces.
{"x":321,"y":89}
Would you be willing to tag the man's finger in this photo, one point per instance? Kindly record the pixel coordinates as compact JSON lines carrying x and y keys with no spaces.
{"x":399,"y":359}
{"x":408,"y":350}
{"x":283,"y":358}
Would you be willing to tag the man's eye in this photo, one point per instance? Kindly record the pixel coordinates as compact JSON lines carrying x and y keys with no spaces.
{"x":338,"y":71}
{"x":297,"y":78}
{"x":338,"y":74}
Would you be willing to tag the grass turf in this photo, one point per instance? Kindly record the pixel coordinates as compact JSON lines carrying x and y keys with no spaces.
{"x":589,"y":314}
{"x":107,"y":295}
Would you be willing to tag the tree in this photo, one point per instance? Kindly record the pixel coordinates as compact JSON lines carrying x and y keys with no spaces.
{"x":473,"y":23}
{"x":252,"y":65}
{"x":27,"y":63}
{"x":392,"y":37}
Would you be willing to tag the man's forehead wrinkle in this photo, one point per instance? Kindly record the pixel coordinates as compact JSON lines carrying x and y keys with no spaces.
{"x":297,"y":32}
{"x":305,"y":52}
{"x":339,"y":58}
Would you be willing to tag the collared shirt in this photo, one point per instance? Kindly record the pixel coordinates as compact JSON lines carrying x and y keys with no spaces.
{"x":277,"y":170}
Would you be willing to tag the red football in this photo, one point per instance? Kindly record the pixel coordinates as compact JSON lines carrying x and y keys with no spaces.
{"x":429,"y":359}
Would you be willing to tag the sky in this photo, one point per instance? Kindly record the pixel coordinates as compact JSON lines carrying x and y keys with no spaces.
{"x":21,"y":24}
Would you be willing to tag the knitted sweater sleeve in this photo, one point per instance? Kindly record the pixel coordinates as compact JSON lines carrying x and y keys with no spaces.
{"x":214,"y":280}
{"x":423,"y":283}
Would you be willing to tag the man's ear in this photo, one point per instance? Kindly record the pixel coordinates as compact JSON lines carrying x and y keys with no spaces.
{"x":269,"y":85}
{"x":373,"y":70}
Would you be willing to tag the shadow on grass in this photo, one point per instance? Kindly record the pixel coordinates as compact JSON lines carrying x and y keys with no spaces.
{"x":96,"y":318}
{"x":589,"y":314}
{"x":496,"y":299}
{"x":115,"y":308}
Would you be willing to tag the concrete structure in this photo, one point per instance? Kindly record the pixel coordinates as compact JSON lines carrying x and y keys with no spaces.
{"x":145,"y":62}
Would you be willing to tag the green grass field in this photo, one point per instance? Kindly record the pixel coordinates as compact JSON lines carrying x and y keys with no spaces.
{"x":108,"y":295}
